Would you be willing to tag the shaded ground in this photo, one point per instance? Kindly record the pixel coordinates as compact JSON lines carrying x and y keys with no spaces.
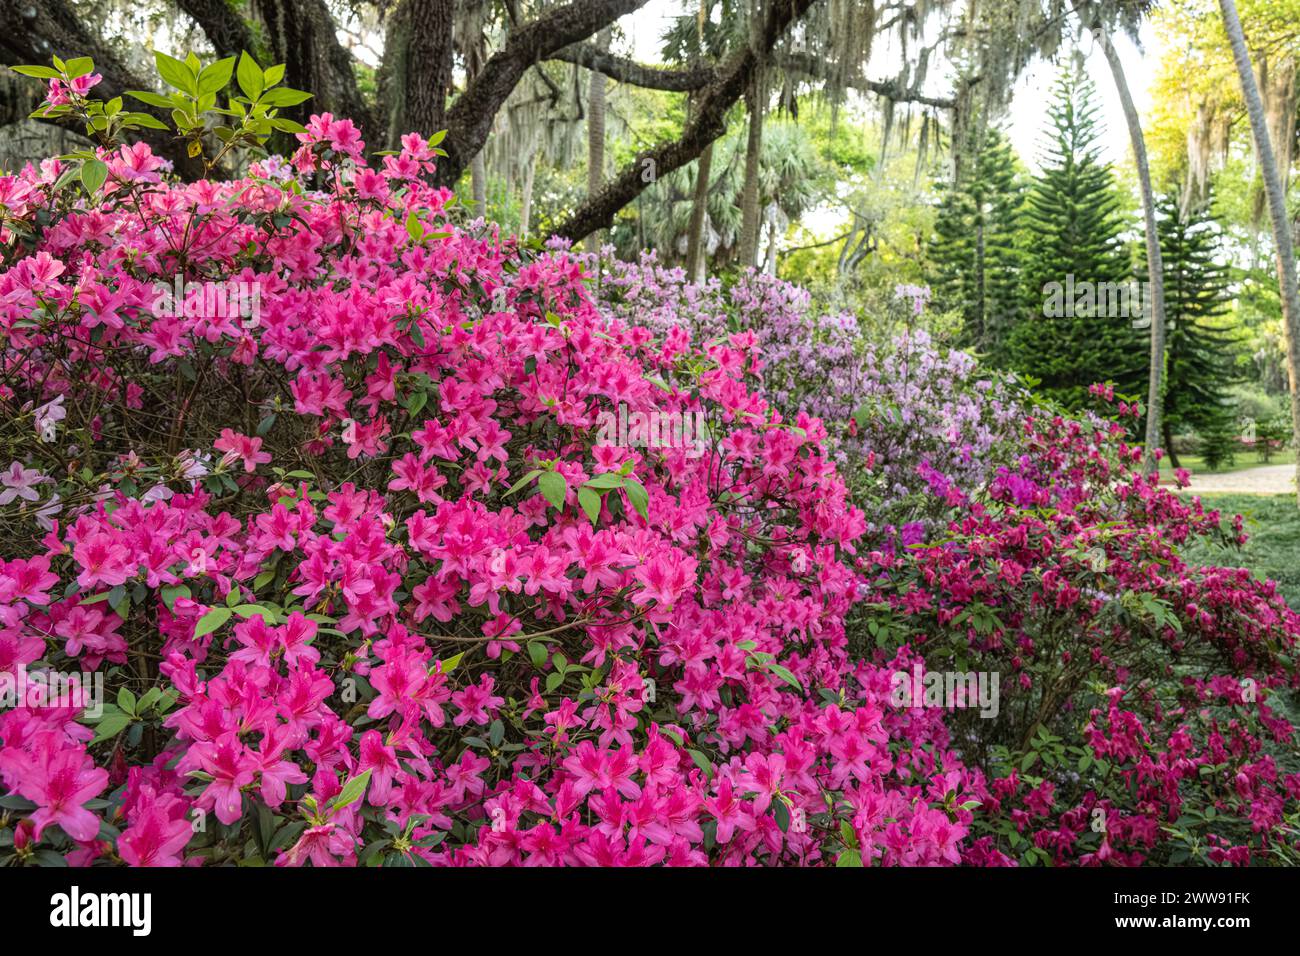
{"x":1273,"y":524}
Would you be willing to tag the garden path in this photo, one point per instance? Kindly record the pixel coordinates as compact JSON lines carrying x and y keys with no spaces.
{"x":1264,"y":480}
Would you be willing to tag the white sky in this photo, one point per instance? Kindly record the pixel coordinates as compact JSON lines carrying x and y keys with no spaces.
{"x":1028,"y":114}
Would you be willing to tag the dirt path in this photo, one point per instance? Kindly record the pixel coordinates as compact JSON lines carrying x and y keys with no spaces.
{"x":1264,"y":480}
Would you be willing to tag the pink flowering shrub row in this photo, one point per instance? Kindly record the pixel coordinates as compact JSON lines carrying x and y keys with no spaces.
{"x":1144,"y":702}
{"x":361,"y":581}
{"x":892,"y":409}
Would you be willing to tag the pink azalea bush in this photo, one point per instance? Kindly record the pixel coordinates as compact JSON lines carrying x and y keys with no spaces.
{"x":361,"y":580}
{"x":1144,"y":712}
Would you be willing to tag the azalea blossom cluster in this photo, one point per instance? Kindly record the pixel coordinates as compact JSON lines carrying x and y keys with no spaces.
{"x":365,"y":586}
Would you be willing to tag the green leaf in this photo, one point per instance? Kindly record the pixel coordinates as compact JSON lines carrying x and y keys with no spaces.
{"x":176,"y":74}
{"x":702,"y":762}
{"x":416,"y":403}
{"x":849,"y":858}
{"x":452,"y":662}
{"x":537,"y":653}
{"x":40,"y":72}
{"x":523,"y":481}
{"x":93,"y":174}
{"x":637,"y":496}
{"x":553,"y":488}
{"x":215,"y":76}
{"x":110,"y":726}
{"x":145,"y":120}
{"x":284,"y":97}
{"x":352,"y":791}
{"x":79,"y":66}
{"x":785,"y":675}
{"x":605,"y":480}
{"x":170,"y":594}
{"x":153,"y":99}
{"x":414,"y":228}
{"x":126,"y":701}
{"x":248,"y":610}
{"x":590,"y":502}
{"x":287,"y":125}
{"x":249,"y":76}
{"x":212,"y":620}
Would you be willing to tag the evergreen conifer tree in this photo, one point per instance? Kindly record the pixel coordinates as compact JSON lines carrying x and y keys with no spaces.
{"x":1199,"y":365}
{"x":1082,"y":307}
{"x":974,"y":255}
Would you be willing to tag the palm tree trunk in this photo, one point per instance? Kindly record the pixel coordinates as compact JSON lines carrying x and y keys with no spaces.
{"x":699,"y":210}
{"x":1155,"y":264}
{"x":749,"y":211}
{"x":1282,"y":239}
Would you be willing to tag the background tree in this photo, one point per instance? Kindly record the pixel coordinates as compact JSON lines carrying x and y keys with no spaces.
{"x":1200,"y":360}
{"x":1282,"y":236}
{"x":975,"y":259}
{"x":1102,"y":17}
{"x":1072,"y":226}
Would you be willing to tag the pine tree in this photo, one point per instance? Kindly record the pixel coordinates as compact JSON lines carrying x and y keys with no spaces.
{"x":1080,"y":298}
{"x":975,"y":262}
{"x":1200,"y":365}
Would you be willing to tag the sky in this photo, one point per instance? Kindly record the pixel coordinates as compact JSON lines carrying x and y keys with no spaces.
{"x":1028,"y":114}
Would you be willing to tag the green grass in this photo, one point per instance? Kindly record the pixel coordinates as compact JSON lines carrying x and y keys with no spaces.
{"x":1244,"y":460}
{"x":1273,"y":551}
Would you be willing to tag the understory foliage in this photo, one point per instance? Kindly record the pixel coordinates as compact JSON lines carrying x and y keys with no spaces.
{"x":366,"y":584}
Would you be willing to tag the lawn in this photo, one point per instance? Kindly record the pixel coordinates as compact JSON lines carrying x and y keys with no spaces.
{"x":1273,"y":523}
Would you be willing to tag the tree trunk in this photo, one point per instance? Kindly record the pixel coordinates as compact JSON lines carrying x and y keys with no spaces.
{"x":526,"y":206}
{"x":1169,"y":445}
{"x":304,"y":37}
{"x":596,"y":135}
{"x":470,"y":116}
{"x":1155,"y":263}
{"x":1282,"y":238}
{"x":707,"y":124}
{"x":429,"y":49}
{"x":478,"y":183}
{"x":695,"y":255}
{"x":756,"y":100}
